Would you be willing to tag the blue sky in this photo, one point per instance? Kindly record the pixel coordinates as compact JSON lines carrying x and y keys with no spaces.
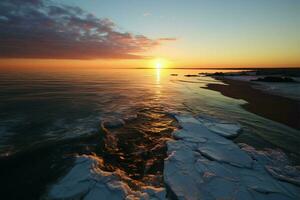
{"x":178,"y":17}
{"x":238,"y":27}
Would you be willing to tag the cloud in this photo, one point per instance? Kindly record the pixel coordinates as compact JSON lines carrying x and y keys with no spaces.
{"x":39,"y":29}
{"x":167,"y":39}
{"x":146,"y":14}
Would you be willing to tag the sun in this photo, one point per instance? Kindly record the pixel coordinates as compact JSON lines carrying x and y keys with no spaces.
{"x":159,"y":63}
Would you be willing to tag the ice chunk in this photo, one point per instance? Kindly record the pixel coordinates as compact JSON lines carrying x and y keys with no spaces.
{"x":203,"y":165}
{"x":228,"y":130}
{"x":221,"y":127}
{"x":276,"y":163}
{"x":215,"y":146}
{"x":87,"y":181}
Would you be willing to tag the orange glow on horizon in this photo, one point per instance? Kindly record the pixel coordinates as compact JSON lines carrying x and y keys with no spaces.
{"x":59,"y":64}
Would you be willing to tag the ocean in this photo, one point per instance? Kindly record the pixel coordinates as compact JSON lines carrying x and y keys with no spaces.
{"x":48,"y":116}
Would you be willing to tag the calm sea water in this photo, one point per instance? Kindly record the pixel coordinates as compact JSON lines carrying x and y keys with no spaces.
{"x":46,"y":108}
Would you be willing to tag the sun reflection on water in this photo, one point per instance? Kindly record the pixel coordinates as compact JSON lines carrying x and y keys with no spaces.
{"x":158,"y":76}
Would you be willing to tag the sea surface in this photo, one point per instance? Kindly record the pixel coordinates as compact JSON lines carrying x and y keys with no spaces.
{"x":48,"y":116}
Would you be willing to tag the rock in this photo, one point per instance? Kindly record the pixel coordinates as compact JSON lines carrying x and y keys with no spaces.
{"x":218,"y":74}
{"x":275,"y":79}
{"x":191,"y":75}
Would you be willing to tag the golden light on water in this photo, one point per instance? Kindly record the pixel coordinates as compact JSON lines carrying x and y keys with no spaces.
{"x":160,"y":65}
{"x":158,"y":76}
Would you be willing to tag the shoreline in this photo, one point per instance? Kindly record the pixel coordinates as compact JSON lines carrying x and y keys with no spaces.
{"x":277,"y":108}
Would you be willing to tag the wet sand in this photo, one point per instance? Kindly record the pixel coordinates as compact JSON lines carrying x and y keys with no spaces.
{"x":276,"y":108}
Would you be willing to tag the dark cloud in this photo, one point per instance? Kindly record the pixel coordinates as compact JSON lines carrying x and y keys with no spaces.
{"x":39,"y":29}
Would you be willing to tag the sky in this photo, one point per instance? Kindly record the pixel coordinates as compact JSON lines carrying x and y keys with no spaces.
{"x":139,"y":33}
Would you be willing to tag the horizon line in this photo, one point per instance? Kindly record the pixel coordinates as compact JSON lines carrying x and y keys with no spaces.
{"x":224,"y":68}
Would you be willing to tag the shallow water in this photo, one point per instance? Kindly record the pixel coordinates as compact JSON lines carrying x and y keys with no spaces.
{"x":46,"y":116}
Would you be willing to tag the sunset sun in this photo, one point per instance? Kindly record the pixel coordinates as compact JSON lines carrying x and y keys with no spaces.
{"x":160,"y":63}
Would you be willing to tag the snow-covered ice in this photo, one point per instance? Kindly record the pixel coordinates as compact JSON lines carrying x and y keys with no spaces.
{"x":223,"y":128}
{"x":87,"y":181}
{"x":204,"y":165}
{"x":276,"y":163}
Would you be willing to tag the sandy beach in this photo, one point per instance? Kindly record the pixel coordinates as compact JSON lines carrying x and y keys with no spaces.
{"x":277,"y":108}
